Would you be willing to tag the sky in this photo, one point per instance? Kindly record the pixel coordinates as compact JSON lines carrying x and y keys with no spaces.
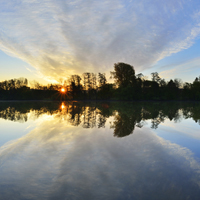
{"x":50,"y":40}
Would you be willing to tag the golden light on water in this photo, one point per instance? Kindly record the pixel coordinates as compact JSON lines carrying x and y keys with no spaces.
{"x":62,"y":106}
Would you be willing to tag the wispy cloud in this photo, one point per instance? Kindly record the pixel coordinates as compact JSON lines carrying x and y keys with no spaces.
{"x":59,"y":37}
{"x":187,"y":69}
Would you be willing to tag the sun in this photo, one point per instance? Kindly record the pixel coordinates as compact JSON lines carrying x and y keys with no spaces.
{"x":62,"y":90}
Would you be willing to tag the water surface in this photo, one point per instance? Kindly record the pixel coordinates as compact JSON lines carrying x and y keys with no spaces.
{"x":76,"y":150}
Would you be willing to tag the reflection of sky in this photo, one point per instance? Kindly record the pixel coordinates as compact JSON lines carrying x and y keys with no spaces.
{"x":14,"y":130}
{"x":185,"y":134}
{"x":58,"y":161}
{"x":8,"y":133}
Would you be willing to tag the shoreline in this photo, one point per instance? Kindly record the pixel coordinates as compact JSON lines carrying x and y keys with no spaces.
{"x":194,"y":101}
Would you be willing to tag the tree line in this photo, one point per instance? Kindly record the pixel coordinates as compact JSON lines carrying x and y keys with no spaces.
{"x":127,"y":86}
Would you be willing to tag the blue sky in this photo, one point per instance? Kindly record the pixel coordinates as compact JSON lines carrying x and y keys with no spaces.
{"x":12,"y":67}
{"x":52,"y":39}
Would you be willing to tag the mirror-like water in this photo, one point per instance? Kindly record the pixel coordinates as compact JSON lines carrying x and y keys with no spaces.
{"x":51,"y":150}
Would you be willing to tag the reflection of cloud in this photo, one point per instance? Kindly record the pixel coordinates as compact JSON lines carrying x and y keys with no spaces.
{"x":63,"y":37}
{"x":56,"y":161}
{"x":179,"y":129}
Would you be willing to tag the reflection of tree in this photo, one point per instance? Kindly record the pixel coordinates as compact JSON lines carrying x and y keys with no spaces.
{"x":154,"y":123}
{"x":160,"y":118}
{"x":75,"y":112}
{"x":101,"y":121}
{"x":123,"y":125}
{"x":13,"y":115}
{"x":90,"y":115}
{"x":127,"y":117}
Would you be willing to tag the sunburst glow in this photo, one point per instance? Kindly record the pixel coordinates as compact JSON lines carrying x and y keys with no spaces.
{"x":62,"y":90}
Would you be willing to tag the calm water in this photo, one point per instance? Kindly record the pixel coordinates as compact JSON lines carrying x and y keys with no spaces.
{"x":99,"y":151}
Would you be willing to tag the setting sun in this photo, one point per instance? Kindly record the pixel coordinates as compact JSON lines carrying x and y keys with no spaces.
{"x":62,"y":90}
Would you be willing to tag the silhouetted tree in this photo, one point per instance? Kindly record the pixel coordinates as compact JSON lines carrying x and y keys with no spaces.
{"x":162,"y":83}
{"x":75,"y":86}
{"x":172,"y":90}
{"x":124,"y":74}
{"x":140,"y":75}
{"x":178,"y":82}
{"x":196,"y":89}
{"x":102,"y":79}
{"x":155,"y":77}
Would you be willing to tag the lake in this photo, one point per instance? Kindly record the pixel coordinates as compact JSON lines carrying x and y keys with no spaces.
{"x":104,"y":150}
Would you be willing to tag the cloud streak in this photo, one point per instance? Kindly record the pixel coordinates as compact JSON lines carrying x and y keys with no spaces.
{"x":188,"y":69}
{"x":59,"y":38}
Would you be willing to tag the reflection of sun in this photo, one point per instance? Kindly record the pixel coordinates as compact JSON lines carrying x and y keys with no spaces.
{"x":62,"y":90}
{"x":62,"y":106}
